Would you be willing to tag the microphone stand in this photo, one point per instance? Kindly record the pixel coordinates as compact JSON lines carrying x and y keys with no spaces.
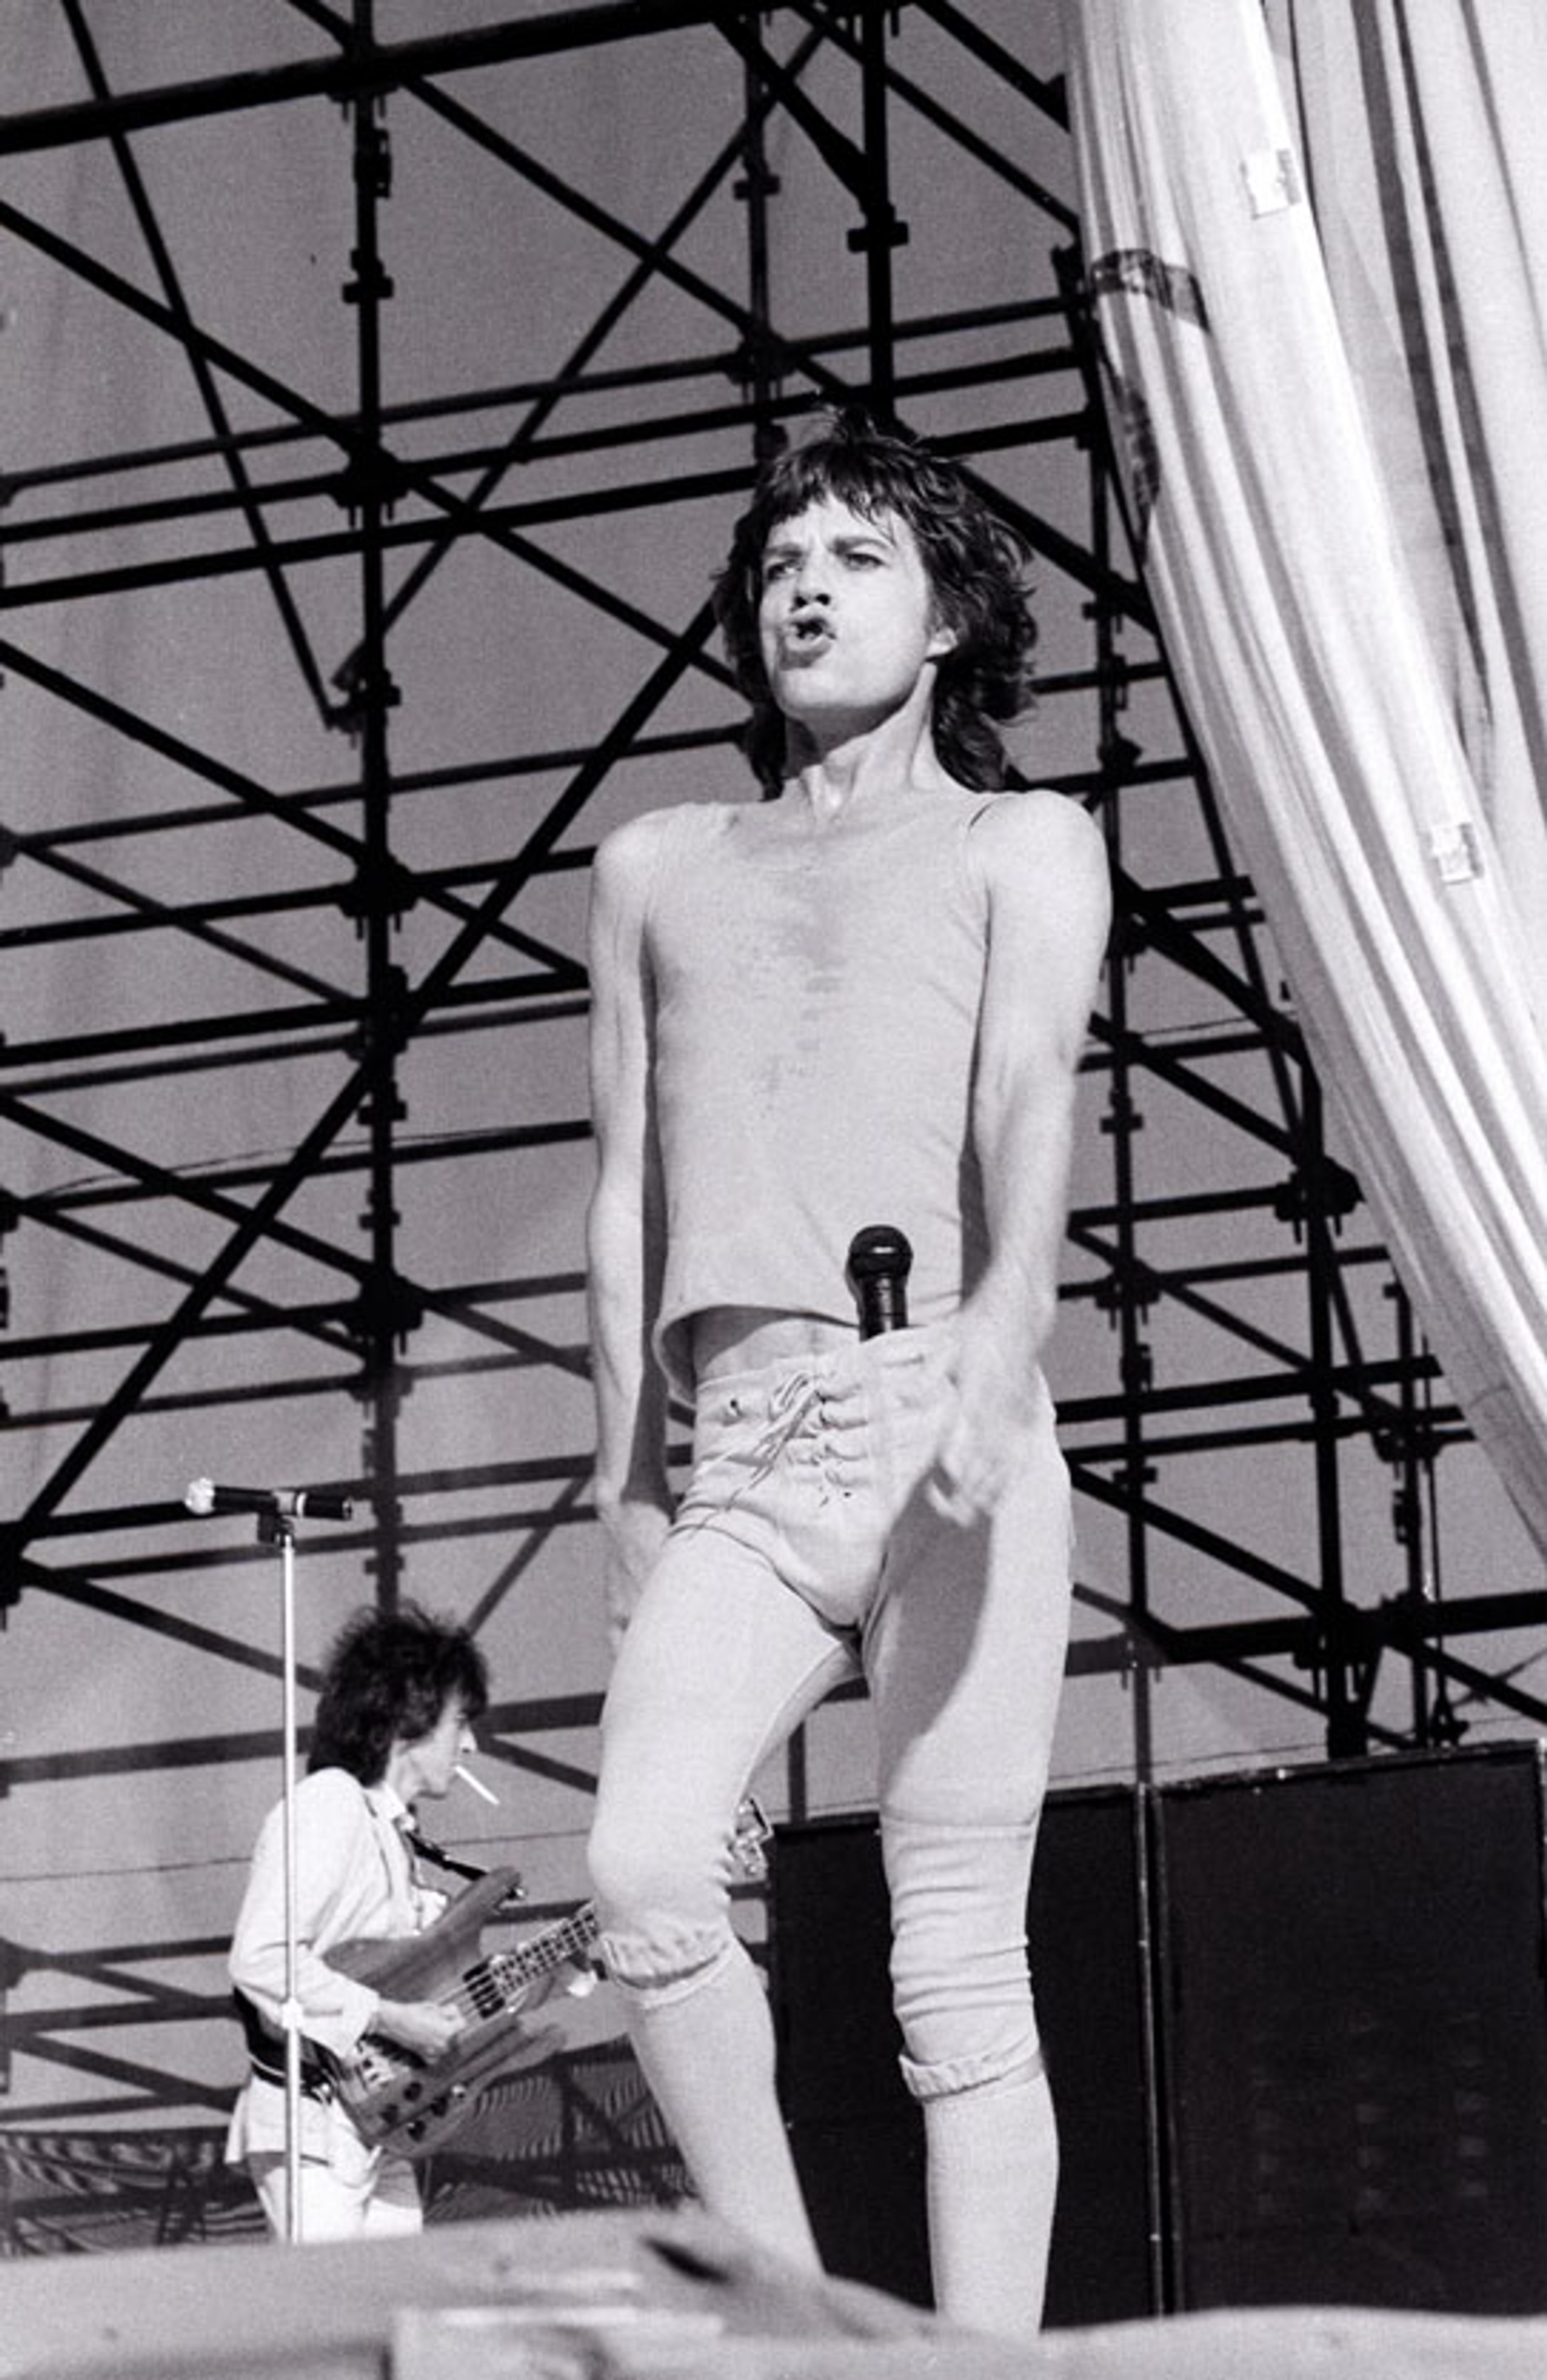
{"x":278,"y":1510}
{"x":279,"y":1528}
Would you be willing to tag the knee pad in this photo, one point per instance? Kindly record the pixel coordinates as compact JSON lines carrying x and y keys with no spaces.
{"x":960,"y":1981}
{"x":655,"y":1966}
{"x":664,"y":1918}
{"x":1013,"y":2065}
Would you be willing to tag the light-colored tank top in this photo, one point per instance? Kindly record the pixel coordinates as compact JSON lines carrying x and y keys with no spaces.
{"x":817,"y":990}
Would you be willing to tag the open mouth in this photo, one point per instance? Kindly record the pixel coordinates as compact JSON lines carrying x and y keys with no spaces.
{"x":807,"y":635}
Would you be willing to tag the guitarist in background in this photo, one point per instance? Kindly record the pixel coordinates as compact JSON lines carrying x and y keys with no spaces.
{"x":399,"y":1697}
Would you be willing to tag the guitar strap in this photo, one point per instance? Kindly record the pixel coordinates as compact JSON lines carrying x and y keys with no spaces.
{"x":422,"y":1848}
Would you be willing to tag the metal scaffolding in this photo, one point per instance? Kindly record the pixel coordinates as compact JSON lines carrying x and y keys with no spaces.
{"x":307,"y":937}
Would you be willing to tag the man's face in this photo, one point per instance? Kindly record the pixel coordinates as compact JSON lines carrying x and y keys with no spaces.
{"x":436,"y":1755}
{"x":846,"y":618}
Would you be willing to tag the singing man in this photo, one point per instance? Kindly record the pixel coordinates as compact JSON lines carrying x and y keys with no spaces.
{"x":861,"y":1001}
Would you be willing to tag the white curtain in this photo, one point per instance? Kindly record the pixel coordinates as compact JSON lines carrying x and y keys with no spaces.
{"x":1316,"y":239}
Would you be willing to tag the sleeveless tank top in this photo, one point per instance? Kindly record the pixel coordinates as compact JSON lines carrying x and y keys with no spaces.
{"x":817,"y":989}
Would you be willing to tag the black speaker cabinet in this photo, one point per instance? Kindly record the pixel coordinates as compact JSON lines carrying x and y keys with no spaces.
{"x":1297,"y":2028}
{"x":856,"y":2136}
{"x":1352,"y":2005}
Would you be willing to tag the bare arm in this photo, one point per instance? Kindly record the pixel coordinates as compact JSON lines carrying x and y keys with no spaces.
{"x":1049,"y":907}
{"x":624,"y":1229}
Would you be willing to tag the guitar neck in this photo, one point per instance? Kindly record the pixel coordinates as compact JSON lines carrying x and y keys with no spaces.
{"x":558,"y":1946}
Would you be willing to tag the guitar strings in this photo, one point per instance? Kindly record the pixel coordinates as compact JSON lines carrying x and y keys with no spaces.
{"x":483,"y":1988}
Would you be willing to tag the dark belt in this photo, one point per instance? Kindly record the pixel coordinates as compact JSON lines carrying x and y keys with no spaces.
{"x":265,"y":2050}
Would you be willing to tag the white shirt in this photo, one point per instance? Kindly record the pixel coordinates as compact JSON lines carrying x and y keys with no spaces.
{"x":354,"y":1882}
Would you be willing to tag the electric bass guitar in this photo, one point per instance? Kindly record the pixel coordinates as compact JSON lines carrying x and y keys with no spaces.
{"x":397,"y":2098}
{"x":394,"y":2098}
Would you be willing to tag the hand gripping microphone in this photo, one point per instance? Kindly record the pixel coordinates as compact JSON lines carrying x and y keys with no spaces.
{"x":879,"y":1259}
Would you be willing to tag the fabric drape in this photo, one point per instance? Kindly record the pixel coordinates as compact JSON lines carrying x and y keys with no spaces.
{"x":1316,"y":254}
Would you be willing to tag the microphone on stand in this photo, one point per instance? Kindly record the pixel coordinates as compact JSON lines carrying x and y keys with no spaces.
{"x":879,"y":1259}
{"x":274,"y":1503}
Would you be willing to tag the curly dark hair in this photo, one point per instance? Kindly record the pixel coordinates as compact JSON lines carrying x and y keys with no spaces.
{"x":976,"y":567}
{"x":389,"y":1677}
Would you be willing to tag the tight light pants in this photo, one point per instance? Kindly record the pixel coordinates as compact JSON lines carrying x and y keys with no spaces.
{"x":805,"y":1551}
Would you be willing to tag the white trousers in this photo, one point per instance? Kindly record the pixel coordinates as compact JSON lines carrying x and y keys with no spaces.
{"x":805,"y":1551}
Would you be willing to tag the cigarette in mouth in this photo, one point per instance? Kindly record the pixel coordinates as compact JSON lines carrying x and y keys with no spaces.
{"x":477,"y":1785}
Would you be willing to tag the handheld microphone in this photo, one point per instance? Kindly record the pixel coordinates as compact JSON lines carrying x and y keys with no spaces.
{"x":879,"y":1259}
{"x":276,"y":1503}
